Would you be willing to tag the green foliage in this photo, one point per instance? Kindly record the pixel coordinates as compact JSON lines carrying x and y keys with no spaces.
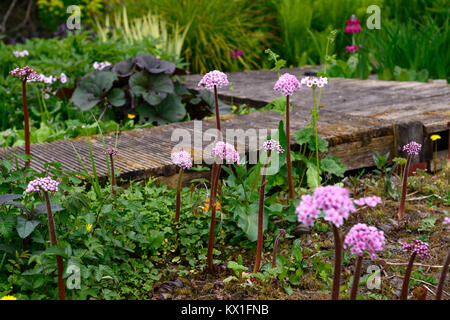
{"x":215,"y":28}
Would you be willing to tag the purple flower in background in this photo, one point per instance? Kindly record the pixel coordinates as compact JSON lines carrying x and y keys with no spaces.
{"x":273,"y":145}
{"x":447,"y":221}
{"x":287,"y":84}
{"x":353,"y":25}
{"x":369,"y":201}
{"x":20,"y":54}
{"x":422,"y":249}
{"x":412,"y":148}
{"x":46,"y":184}
{"x":214,"y":78}
{"x":362,"y":238}
{"x":235,"y":53}
{"x":333,"y":201}
{"x":351,"y":49}
{"x":182,"y":159}
{"x":312,"y":82}
{"x":226,"y":152}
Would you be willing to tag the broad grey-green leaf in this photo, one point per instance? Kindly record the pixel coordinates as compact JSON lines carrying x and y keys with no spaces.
{"x":116,"y":97}
{"x":25,"y":227}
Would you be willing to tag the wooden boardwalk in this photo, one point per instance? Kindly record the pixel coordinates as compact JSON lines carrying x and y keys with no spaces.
{"x":357,"y":117}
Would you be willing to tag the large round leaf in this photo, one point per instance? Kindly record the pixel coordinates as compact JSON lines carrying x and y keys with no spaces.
{"x":152,"y":88}
{"x":25,"y":227}
{"x":116,"y":97}
{"x":154,"y":65}
{"x":125,"y":68}
{"x":92,"y":89}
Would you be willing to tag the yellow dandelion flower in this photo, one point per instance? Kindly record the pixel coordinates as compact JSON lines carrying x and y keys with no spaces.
{"x":8,"y":298}
{"x":131,"y":116}
{"x":89,"y":227}
{"x":435,"y":137}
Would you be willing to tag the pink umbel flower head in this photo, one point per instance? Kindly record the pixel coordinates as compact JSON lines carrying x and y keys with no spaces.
{"x":46,"y":184}
{"x":287,"y":84}
{"x":333,"y":201}
{"x":25,"y":73}
{"x":213,"y":78}
{"x":110,"y":151}
{"x":21,"y":54}
{"x":226,"y":152}
{"x":313,"y":82}
{"x":362,"y":238}
{"x":413,"y":148}
{"x":368,"y":201}
{"x":273,"y":145}
{"x":447,"y":221}
{"x":422,"y":249}
{"x":182,"y":159}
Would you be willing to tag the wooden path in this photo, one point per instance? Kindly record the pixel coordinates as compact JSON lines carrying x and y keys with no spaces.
{"x":357,"y":117}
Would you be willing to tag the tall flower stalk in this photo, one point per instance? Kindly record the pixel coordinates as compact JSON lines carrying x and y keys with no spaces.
{"x":314,"y":82}
{"x":47,"y":185}
{"x":269,"y":146}
{"x":26,"y":74}
{"x":434,"y":138}
{"x":444,"y":267}
{"x":212,"y":81}
{"x":420,"y":249}
{"x":281,"y":233}
{"x":287,"y":84}
{"x":112,"y":152}
{"x":182,"y":159}
{"x":412,"y":149}
{"x":353,"y":27}
{"x":362,"y":238}
{"x":335,"y":205}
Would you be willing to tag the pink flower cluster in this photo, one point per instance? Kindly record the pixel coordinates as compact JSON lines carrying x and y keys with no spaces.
{"x":368,"y":201}
{"x":25,"y":73}
{"x":212,"y":79}
{"x":333,"y":201}
{"x":20,"y":54}
{"x":182,"y":159}
{"x":412,"y":148}
{"x":111,"y":151}
{"x":101,"y":65}
{"x":273,"y":145}
{"x":353,"y":25}
{"x":235,"y":53}
{"x":314,"y":82}
{"x":362,"y":238}
{"x":287,"y":84}
{"x":46,"y":184}
{"x":226,"y":152}
{"x":422,"y":249}
{"x":447,"y":221}
{"x":351,"y":49}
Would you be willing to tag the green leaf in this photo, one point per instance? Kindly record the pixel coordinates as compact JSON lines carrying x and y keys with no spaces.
{"x":116,"y":97}
{"x":312,"y":178}
{"x":6,"y":225}
{"x":333,"y":165}
{"x":152,"y":88}
{"x":248,"y":220}
{"x":5,"y":198}
{"x":92,"y":89}
{"x":25,"y":227}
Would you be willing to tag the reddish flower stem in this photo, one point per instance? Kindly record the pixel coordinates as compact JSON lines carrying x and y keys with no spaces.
{"x":262,"y":189}
{"x":54,"y":242}
{"x":405,"y":287}
{"x":178,"y":207}
{"x":275,"y":248}
{"x":442,"y":278}
{"x":337,"y":263}
{"x":288,"y":151}
{"x":212,"y":205}
{"x":401,"y":209}
{"x":26,"y":120}
{"x":356,"y":277}
{"x":216,"y":102}
{"x":113,"y":176}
